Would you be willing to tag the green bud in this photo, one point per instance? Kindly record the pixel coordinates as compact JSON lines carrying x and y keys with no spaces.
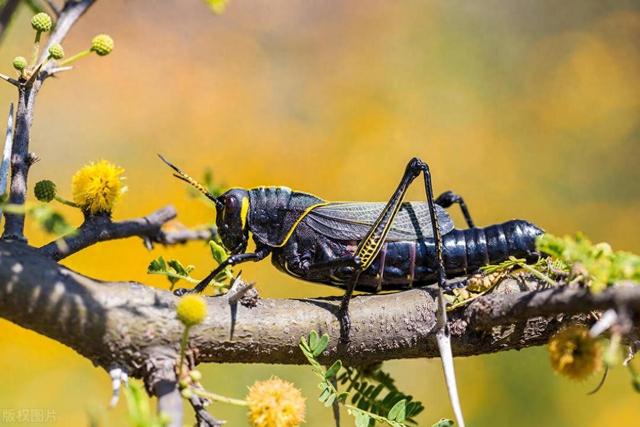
{"x":184,"y":383}
{"x":102,"y":44}
{"x":41,"y":22}
{"x":186,"y":393}
{"x":195,"y":375}
{"x":19,"y":63}
{"x":45,"y":190}
{"x":56,"y":51}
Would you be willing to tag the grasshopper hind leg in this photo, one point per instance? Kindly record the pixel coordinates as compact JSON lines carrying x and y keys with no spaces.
{"x":448,"y":198}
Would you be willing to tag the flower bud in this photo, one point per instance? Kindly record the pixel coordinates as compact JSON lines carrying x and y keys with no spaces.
{"x":102,"y":44}
{"x":19,"y":63}
{"x":56,"y":51}
{"x":41,"y":22}
{"x":45,"y":190}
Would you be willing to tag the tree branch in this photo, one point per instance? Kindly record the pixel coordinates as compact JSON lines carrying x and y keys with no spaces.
{"x":100,"y":228}
{"x":498,"y":309}
{"x":125,"y":324}
{"x":27,"y":93}
{"x":184,"y":235}
{"x":6,"y":13}
{"x":54,"y":8}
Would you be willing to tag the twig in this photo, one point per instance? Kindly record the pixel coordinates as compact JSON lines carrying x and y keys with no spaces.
{"x":203,"y":417}
{"x":69,"y":14}
{"x":27,"y":93}
{"x":9,"y":79}
{"x":53,"y":71}
{"x":160,"y":379}
{"x":493,"y":310}
{"x":6,"y":13}
{"x":20,"y":164}
{"x":6,"y":154}
{"x":175,"y":237}
{"x":54,"y":8}
{"x":100,"y":228}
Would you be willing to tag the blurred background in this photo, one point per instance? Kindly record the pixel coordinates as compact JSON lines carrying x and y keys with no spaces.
{"x":528,"y":109}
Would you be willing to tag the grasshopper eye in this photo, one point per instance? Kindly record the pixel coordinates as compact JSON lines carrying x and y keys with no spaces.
{"x":231,"y":204}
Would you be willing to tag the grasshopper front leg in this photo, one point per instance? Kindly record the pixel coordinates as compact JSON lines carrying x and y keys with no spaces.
{"x":260,"y":253}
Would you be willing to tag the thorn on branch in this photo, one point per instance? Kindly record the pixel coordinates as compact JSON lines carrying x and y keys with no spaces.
{"x":118,"y":377}
{"x":11,"y":80}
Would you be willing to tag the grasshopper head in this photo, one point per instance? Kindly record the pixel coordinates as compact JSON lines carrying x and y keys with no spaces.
{"x":232,"y":209}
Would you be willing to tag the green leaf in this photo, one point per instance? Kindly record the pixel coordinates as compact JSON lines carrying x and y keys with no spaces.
{"x":51,"y":221}
{"x":313,"y":340}
{"x":138,"y":404}
{"x":342,"y":397}
{"x":324,"y":395}
{"x":218,"y":252}
{"x":444,"y":423}
{"x":179,"y":268}
{"x":321,"y":345}
{"x":304,"y":346}
{"x":330,"y":400}
{"x":398,"y":412}
{"x":362,"y":419}
{"x":173,"y":269}
{"x":333,"y":369}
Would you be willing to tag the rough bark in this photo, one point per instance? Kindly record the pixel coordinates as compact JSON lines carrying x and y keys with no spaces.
{"x":125,"y":323}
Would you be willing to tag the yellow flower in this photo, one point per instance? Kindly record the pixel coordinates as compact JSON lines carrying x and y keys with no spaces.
{"x":97,"y":186}
{"x":574,"y":353}
{"x":275,"y":403}
{"x":191,"y":310}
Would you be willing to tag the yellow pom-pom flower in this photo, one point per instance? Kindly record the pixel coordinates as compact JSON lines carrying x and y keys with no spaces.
{"x":97,"y":186}
{"x":41,"y":22}
{"x":574,"y":353}
{"x":275,"y":403}
{"x":102,"y":44}
{"x":191,"y":310}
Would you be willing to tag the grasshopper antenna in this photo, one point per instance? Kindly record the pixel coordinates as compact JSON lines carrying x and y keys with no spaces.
{"x":181,"y":175}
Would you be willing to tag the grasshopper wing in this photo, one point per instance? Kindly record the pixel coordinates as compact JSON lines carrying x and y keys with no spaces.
{"x":353,"y":220}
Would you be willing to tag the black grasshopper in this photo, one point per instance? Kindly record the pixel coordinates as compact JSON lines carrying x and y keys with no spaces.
{"x":366,"y":246}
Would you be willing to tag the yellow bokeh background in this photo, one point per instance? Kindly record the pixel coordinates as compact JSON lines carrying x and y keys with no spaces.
{"x":529,"y":109}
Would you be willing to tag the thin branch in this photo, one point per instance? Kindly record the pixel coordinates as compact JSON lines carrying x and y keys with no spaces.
{"x":11,"y":80}
{"x":14,"y":222}
{"x":498,"y":309}
{"x":57,"y":70}
{"x":6,"y":13}
{"x":160,"y":380}
{"x":6,"y":153}
{"x":100,"y":228}
{"x":125,"y":324}
{"x":203,"y":417}
{"x":184,"y":235}
{"x":27,"y":93}
{"x":69,"y":14}
{"x":54,"y":8}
